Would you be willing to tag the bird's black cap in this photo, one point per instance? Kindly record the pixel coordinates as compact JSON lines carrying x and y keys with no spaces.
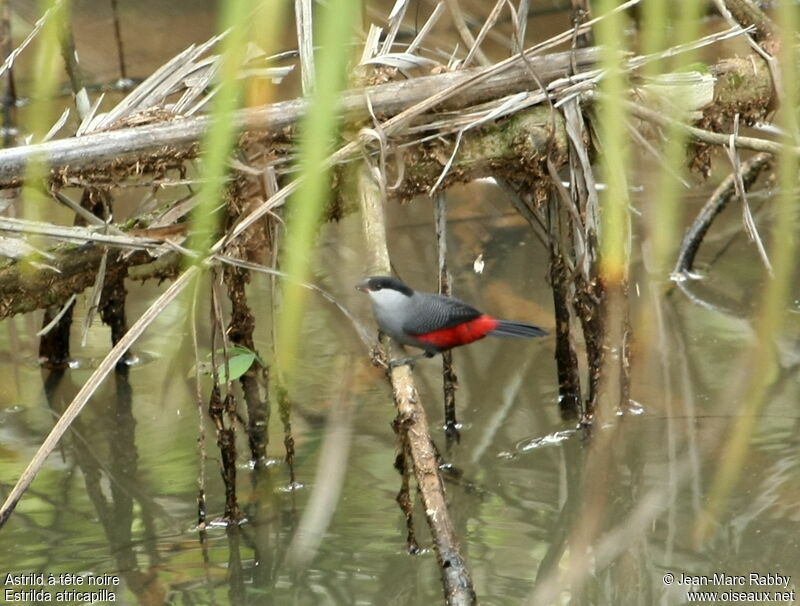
{"x":375,"y":283}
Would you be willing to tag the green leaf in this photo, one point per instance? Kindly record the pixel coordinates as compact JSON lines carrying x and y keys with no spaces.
{"x":238,"y":364}
{"x":240,"y":359}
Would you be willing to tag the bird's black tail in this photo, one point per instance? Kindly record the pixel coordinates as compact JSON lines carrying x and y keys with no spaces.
{"x":517,"y":330}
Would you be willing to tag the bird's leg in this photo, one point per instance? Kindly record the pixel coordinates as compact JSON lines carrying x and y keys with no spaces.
{"x":409,"y":361}
{"x":378,"y":355}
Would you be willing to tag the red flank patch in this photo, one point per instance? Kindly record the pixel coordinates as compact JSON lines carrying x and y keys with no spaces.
{"x":461,"y":334}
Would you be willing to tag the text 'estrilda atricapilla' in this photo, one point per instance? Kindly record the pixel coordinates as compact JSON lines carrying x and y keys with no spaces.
{"x":434,"y":323}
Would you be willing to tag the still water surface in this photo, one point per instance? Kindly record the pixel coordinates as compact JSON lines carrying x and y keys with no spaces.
{"x":119,"y":496}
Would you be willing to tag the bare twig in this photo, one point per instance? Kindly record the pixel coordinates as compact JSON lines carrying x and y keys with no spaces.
{"x":425,"y":29}
{"x":82,"y":235}
{"x":305,"y":43}
{"x":707,"y":136}
{"x":69,"y":53}
{"x":460,"y":23}
{"x":123,"y":72}
{"x":580,"y":13}
{"x":520,"y":26}
{"x":747,"y":216}
{"x":395,"y":21}
{"x":201,"y":425}
{"x":94,"y":298}
{"x":449,"y":378}
{"x":487,"y":25}
{"x":37,"y":27}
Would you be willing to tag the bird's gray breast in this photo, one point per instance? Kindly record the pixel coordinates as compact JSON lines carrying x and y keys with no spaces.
{"x":391,"y":309}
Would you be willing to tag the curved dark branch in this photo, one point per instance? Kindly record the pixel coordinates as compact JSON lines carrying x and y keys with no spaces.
{"x":726,"y":190}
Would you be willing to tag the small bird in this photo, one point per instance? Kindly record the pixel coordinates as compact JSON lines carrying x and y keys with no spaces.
{"x":434,"y":323}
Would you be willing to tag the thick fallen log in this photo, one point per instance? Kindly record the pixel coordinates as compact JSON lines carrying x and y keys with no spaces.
{"x":151,"y":148}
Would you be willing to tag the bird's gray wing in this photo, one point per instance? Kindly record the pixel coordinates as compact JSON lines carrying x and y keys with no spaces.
{"x":436,"y":312}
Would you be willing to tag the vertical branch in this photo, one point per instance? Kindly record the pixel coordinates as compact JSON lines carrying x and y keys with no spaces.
{"x":581,"y":11}
{"x":561,"y":226}
{"x":305,"y":43}
{"x":521,"y":26}
{"x":226,"y":441}
{"x":123,"y":72}
{"x":412,"y":420}
{"x":223,"y":413}
{"x":569,"y":383}
{"x":9,"y":92}
{"x":588,"y":298}
{"x":587,"y":288}
{"x":70,"y":55}
{"x":488,"y":24}
{"x":281,"y":392}
{"x":54,"y":344}
{"x":251,"y":246}
{"x":201,"y":428}
{"x":449,"y":378}
{"x":285,"y":411}
{"x":240,"y":332}
{"x":403,"y":465}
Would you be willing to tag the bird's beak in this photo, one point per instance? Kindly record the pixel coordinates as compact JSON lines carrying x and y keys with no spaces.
{"x":363,"y":286}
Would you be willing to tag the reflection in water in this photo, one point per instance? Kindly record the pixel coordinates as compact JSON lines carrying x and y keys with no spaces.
{"x":113,"y":489}
{"x":520,"y":517}
{"x":527,"y":521}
